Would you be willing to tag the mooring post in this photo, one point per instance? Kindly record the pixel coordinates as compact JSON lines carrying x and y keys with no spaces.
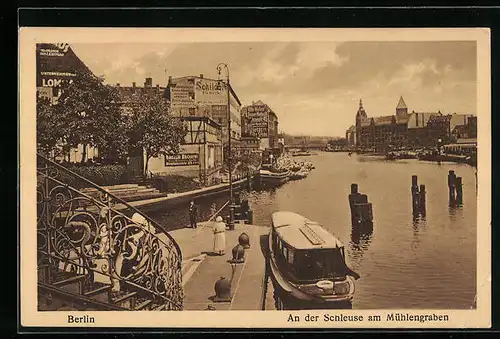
{"x":451,"y":184}
{"x":458,"y":187}
{"x":353,"y":197}
{"x":415,"y":194}
{"x":422,"y":199}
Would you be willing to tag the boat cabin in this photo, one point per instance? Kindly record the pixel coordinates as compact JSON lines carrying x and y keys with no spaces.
{"x":305,"y":251}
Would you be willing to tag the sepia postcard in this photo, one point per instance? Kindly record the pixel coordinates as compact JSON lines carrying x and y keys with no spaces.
{"x":255,"y":178}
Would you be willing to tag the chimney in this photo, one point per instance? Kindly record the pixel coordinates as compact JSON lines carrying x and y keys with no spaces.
{"x":169,"y":79}
{"x":201,"y":75}
{"x":117,"y":84}
{"x":148,"y":83}
{"x":133,"y":84}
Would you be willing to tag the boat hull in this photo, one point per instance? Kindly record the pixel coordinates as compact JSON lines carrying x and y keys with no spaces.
{"x":289,"y":290}
{"x":274,"y":179}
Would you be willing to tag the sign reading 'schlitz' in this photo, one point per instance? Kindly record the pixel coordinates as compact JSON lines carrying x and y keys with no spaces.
{"x":210,"y":92}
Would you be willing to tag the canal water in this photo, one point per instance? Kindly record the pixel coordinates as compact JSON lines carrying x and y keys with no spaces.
{"x":404,"y":262}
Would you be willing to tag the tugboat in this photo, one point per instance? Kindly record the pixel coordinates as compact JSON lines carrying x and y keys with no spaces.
{"x":307,"y":263}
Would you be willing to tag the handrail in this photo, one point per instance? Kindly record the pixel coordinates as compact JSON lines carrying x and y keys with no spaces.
{"x":99,"y":188}
{"x":87,"y":233}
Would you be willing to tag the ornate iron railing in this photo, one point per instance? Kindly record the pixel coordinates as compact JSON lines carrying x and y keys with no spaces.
{"x":94,"y":234}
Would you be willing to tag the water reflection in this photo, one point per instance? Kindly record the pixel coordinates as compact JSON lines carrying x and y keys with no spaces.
{"x":283,"y":302}
{"x":360,"y":240}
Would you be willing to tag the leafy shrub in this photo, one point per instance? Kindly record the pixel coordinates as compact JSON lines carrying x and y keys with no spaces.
{"x":103,"y":175}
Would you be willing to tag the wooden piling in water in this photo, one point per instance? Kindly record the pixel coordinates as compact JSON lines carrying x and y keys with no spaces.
{"x":361,"y":209}
{"x":458,"y":187}
{"x":422,"y":200}
{"x":451,"y":184}
{"x":415,"y":196}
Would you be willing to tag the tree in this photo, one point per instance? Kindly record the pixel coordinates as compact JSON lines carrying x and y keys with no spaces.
{"x":153,"y":129}
{"x":49,"y":128}
{"x":90,"y":111}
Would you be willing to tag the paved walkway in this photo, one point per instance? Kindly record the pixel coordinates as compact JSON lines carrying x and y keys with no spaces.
{"x":201,"y":269}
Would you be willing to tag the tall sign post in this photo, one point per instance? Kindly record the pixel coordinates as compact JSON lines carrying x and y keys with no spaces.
{"x":229,"y":162}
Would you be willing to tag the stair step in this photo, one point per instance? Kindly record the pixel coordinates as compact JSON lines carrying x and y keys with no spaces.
{"x":121,"y":186}
{"x":143,"y":196}
{"x":143,"y":304}
{"x":98,"y":290}
{"x":124,"y":297}
{"x":68,"y":280}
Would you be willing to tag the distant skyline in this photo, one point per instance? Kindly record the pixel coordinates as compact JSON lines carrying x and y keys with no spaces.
{"x":314,"y":87}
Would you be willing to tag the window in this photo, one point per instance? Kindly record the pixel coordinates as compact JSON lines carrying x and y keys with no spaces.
{"x":285,"y":252}
{"x":290,"y":256}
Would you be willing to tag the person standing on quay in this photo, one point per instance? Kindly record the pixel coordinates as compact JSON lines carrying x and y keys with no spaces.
{"x":219,"y":236}
{"x":193,"y":212}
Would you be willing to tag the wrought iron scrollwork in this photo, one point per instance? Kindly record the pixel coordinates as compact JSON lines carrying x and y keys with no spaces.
{"x":103,"y":238}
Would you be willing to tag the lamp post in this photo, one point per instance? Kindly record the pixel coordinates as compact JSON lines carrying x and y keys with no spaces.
{"x":229,"y":162}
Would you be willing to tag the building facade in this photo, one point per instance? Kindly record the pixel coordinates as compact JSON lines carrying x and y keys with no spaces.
{"x":415,"y":129}
{"x":261,"y":122}
{"x":382,"y":132}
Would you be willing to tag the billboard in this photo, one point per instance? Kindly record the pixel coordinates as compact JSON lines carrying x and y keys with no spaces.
{"x":257,"y":118}
{"x":181,"y":96}
{"x":210,"y":92}
{"x":186,"y":159}
{"x":56,"y":63}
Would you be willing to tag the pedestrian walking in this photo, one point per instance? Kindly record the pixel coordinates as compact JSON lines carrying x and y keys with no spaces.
{"x":219,"y":236}
{"x":193,"y":213}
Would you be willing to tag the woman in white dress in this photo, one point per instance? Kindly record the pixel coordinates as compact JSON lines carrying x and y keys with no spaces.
{"x":219,"y":236}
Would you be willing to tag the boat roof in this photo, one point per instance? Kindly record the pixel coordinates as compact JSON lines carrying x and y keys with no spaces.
{"x":302,"y":233}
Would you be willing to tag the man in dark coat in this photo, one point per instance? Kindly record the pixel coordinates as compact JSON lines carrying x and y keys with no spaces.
{"x":193,"y":213}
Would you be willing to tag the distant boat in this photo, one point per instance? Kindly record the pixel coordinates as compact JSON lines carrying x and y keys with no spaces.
{"x":274,"y":178}
{"x":307,"y":262}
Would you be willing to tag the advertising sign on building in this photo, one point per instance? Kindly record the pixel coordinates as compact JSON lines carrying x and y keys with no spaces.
{"x":181,"y":96}
{"x":56,"y":63}
{"x":210,"y":92}
{"x":186,"y":159}
{"x":257,"y":118}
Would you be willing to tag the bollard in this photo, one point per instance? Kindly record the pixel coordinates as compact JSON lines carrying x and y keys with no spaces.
{"x":222,"y":290}
{"x":238,"y":254}
{"x":458,"y":187}
{"x":244,"y":240}
{"x":422,"y":199}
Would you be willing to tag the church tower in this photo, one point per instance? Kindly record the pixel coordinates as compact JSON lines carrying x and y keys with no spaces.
{"x":361,"y":114}
{"x":401,"y":109}
{"x":360,"y":117}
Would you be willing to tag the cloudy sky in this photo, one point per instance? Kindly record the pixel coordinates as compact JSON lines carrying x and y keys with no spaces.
{"x":314,"y":87}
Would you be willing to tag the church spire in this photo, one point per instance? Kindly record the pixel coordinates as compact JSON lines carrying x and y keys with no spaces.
{"x":401,"y":103}
{"x":360,"y":103}
{"x":401,"y":108}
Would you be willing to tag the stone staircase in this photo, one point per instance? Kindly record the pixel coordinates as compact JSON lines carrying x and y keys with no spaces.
{"x":127,"y":192}
{"x":67,"y":291}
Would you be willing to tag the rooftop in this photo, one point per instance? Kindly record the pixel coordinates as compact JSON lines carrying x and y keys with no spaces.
{"x":302,"y":233}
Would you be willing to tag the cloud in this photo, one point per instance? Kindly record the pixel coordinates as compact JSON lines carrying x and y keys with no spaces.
{"x":314,"y":87}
